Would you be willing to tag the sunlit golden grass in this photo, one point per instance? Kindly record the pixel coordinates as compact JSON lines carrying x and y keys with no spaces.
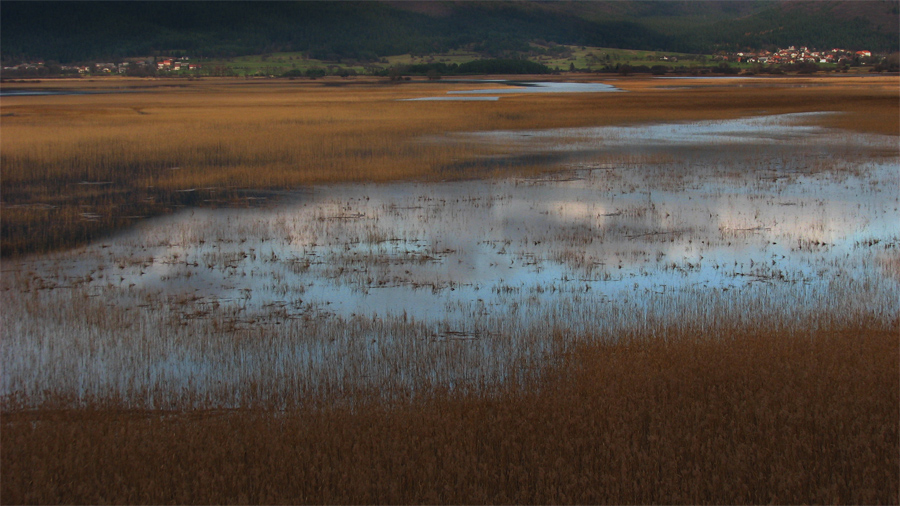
{"x":752,"y":417}
{"x":162,"y":137}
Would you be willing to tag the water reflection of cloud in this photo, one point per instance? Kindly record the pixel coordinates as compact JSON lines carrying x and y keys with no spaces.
{"x":424,"y":248}
{"x":800,"y":228}
{"x":575,"y":211}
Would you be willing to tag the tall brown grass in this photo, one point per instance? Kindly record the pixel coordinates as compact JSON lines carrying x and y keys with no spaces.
{"x":752,"y":417}
{"x":782,"y":409}
{"x":77,"y":166}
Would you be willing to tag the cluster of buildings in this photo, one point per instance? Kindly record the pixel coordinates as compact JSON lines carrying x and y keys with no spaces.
{"x":800,"y":55}
{"x":172,"y":64}
{"x":104,"y":68}
{"x":40,"y":68}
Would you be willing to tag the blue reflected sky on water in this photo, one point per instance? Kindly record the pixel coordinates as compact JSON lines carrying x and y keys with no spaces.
{"x":518,"y":87}
{"x":593,"y":232}
{"x":766,"y":220}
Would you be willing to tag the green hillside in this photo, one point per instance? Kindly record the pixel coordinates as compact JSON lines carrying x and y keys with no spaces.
{"x":72,"y":31}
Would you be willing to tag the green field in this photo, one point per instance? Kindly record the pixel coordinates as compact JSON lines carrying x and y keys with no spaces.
{"x":584,"y":58}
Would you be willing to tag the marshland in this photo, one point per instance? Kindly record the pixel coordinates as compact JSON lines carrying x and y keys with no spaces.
{"x":351,"y":291}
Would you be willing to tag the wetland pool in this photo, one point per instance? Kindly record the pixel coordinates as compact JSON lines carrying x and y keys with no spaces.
{"x":761,"y":219}
{"x":517,"y":87}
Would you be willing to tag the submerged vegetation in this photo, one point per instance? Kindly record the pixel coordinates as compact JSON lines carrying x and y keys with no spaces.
{"x":639,"y":297}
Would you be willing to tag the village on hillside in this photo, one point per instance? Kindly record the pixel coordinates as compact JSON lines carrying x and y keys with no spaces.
{"x":799,"y":55}
{"x":164,"y":64}
{"x":184,"y":66}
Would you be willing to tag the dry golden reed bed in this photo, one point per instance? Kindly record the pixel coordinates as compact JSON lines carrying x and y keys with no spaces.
{"x":730,"y":415}
{"x":755,"y":418}
{"x":78,"y":166}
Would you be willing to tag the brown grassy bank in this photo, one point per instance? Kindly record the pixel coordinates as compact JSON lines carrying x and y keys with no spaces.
{"x":753,"y":418}
{"x":76,"y":167}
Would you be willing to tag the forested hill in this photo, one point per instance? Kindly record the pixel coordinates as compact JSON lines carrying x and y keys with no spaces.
{"x":69,"y":31}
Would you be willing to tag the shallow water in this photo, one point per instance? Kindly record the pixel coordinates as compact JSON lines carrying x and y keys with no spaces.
{"x":704,"y":77}
{"x":446,"y":252}
{"x":661,"y":223}
{"x":26,"y":93}
{"x":452,"y":99}
{"x":19,"y":92}
{"x":544,"y":87}
{"x":762,"y":132}
{"x":520,"y":87}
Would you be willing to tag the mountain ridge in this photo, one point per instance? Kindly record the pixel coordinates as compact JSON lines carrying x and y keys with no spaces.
{"x":68,"y":31}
